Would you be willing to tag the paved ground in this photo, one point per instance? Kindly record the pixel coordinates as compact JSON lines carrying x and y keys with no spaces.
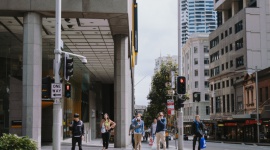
{"x":211,"y":145}
{"x":96,"y":145}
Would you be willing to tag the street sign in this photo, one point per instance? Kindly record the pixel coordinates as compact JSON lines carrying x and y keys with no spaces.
{"x":167,"y":84}
{"x":170,"y":106}
{"x":170,"y":92}
{"x":56,"y":90}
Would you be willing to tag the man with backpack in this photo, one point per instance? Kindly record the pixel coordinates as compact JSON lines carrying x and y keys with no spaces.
{"x":77,"y":128}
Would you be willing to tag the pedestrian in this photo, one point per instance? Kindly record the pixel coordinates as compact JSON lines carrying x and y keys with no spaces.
{"x":153,"y":129}
{"x":138,"y":125}
{"x":77,"y":128}
{"x":160,"y":130}
{"x":197,"y":131}
{"x":131,"y":131}
{"x":106,"y":125}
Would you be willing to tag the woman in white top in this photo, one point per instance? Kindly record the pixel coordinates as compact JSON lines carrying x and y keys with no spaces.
{"x":106,"y":126}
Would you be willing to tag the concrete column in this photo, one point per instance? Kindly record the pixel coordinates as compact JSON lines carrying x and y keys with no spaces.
{"x":122,"y":91}
{"x":32,"y":69}
{"x":234,"y":8}
{"x":224,"y":16}
{"x":245,"y":3}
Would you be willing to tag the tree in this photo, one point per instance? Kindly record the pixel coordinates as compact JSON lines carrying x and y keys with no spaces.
{"x":158,"y":93}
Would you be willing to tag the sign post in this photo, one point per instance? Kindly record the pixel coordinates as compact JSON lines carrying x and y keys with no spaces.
{"x":170,"y":106}
{"x":56,"y":90}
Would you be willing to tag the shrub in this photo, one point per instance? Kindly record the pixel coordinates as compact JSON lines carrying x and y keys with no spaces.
{"x":14,"y":142}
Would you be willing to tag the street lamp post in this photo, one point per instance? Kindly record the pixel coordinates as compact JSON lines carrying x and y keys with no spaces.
{"x":257,"y":105}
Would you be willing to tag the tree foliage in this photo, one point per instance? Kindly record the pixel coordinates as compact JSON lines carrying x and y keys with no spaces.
{"x":14,"y":142}
{"x":158,"y":93}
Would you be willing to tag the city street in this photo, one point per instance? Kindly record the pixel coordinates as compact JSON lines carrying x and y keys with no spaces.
{"x":187,"y":146}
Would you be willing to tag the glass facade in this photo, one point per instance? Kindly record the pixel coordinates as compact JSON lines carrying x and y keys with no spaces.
{"x":197,"y":16}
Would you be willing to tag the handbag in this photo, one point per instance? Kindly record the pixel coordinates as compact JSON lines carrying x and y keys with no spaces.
{"x":202,"y":143}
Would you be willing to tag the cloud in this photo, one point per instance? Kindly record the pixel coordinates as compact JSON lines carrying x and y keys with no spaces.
{"x":157,"y":35}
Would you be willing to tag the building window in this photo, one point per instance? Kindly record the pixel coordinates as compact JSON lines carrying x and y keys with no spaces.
{"x":228,"y":103}
{"x":207,"y":110}
{"x":206,"y":84}
{"x":195,"y":61}
{"x":226,"y":49}
{"x":222,"y":67}
{"x":231,"y":63}
{"x":206,"y":72}
{"x":227,"y":65}
{"x":195,"y":50}
{"x":214,"y":56}
{"x":206,"y":97}
{"x":231,"y":47}
{"x":239,"y":61}
{"x":227,"y":83}
{"x":196,"y":72}
{"x":218,"y":104}
{"x":226,"y":33}
{"x":214,"y":42}
{"x":212,"y":104}
{"x":205,"y":49}
{"x":221,"y":36}
{"x":247,"y":97}
{"x":230,"y":30}
{"x":215,"y":86}
{"x":197,"y":110}
{"x":231,"y":82}
{"x":206,"y":60}
{"x":196,"y":84}
{"x":211,"y":87}
{"x":223,"y":84}
{"x":239,"y":44}
{"x":222,"y":51}
{"x":232,"y":98}
{"x":238,"y":26}
{"x":214,"y":71}
{"x":223,"y":104}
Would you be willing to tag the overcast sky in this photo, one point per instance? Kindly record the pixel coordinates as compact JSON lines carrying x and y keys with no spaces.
{"x":157,"y":35}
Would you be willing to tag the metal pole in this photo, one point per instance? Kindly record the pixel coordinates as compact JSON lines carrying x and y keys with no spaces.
{"x":257,"y":106}
{"x":180,"y":111}
{"x":57,"y":109}
{"x":180,"y":129}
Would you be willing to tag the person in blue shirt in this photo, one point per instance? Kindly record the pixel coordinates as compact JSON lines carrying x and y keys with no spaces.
{"x":138,"y":126}
{"x":197,"y":131}
{"x":160,"y":130}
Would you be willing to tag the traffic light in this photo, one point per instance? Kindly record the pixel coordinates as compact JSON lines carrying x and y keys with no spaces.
{"x":179,"y":103}
{"x":67,"y":90}
{"x":68,"y":68}
{"x":181,"y":85}
{"x":46,"y":87}
{"x":196,"y":96}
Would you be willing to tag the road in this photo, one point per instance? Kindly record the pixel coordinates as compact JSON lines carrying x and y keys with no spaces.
{"x":187,"y":146}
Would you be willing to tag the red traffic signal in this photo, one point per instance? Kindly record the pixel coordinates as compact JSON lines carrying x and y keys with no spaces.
{"x":181,"y":85}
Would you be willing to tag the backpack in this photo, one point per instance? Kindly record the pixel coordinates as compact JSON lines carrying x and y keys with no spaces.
{"x":78,"y":129}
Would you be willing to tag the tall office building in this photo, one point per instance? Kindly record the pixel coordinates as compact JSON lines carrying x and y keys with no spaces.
{"x":196,"y":16}
{"x":239,"y":44}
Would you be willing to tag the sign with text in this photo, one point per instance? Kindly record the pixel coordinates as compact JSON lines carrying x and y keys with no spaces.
{"x":56,"y":90}
{"x":170,"y":106}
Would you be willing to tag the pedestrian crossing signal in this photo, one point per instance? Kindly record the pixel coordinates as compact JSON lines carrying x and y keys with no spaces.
{"x":67,"y":90}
